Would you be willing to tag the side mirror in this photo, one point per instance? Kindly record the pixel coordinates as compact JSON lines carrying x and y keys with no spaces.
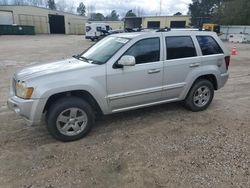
{"x":127,"y":60}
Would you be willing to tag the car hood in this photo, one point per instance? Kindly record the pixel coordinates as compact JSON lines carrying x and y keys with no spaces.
{"x":51,"y":68}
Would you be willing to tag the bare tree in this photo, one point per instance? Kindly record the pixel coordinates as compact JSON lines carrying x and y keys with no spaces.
{"x":71,"y":7}
{"x":4,"y":2}
{"x":138,"y":11}
{"x":61,"y":5}
{"x":18,"y":2}
{"x":91,"y":10}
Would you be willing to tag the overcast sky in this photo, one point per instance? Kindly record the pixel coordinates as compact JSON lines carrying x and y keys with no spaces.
{"x":150,"y":7}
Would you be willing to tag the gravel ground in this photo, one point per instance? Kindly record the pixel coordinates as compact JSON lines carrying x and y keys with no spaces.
{"x":161,"y":146}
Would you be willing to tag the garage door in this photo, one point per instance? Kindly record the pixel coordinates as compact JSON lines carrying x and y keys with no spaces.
{"x":178,"y":24}
{"x":6,"y":18}
{"x":153,"y":24}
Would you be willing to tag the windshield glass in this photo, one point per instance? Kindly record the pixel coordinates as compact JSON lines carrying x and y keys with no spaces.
{"x":102,"y":51}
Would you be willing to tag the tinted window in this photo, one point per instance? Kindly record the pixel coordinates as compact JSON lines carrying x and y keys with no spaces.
{"x":208,"y":45}
{"x":180,"y":47}
{"x":98,"y":28}
{"x":145,"y":51}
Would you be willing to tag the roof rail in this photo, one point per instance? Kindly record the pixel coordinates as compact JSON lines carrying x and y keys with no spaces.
{"x":179,"y":29}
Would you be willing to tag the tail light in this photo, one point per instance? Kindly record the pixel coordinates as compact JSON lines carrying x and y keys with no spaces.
{"x":227,"y":61}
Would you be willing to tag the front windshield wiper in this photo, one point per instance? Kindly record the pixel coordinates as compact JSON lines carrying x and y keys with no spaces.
{"x":81,"y":58}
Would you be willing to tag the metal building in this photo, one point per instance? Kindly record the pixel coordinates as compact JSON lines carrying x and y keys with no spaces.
{"x":158,"y":22}
{"x":45,"y":21}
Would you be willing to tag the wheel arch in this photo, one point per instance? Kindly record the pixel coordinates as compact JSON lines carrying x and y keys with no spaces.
{"x":210,"y":77}
{"x":83,"y":94}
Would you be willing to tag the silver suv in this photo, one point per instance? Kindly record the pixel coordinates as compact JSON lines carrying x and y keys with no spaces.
{"x":121,"y":72}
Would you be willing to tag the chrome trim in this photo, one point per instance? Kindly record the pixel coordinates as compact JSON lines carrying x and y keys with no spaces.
{"x":173,"y":86}
{"x":144,"y":105}
{"x":144,"y":91}
{"x":134,"y":93}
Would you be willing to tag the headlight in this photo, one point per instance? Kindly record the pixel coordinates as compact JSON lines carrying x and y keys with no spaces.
{"x":23,"y":91}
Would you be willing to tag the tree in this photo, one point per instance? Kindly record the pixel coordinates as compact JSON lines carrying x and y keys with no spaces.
{"x":113,"y":16}
{"x":4,"y":2}
{"x":202,"y":11}
{"x":130,"y":14}
{"x":236,"y":12}
{"x":51,"y":4}
{"x":61,"y":5}
{"x":97,"y":17}
{"x":178,"y":14}
{"x":81,"y":9}
{"x":18,"y":2}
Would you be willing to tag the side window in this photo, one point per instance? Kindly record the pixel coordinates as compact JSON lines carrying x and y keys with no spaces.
{"x":145,"y":51}
{"x":88,"y":28}
{"x":98,"y":28}
{"x":180,"y":47}
{"x":208,"y":45}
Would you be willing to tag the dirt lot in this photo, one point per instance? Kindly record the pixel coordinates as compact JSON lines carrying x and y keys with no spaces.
{"x":162,"y":146}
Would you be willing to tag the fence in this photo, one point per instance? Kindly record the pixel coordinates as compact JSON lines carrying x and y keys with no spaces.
{"x":234,"y":29}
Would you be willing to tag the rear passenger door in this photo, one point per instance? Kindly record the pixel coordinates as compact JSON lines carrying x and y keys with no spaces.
{"x":181,"y":58}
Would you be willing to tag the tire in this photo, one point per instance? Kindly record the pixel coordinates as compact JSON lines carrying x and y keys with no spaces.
{"x":69,"y":119}
{"x":200,"y":95}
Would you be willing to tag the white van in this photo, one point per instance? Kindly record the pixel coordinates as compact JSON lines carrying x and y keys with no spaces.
{"x":96,"y":30}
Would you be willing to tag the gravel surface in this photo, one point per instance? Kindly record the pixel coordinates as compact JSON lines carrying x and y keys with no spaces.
{"x":161,"y":146}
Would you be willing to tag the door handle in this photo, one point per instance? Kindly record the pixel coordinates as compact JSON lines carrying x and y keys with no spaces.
{"x":194,"y":65}
{"x":152,"y":71}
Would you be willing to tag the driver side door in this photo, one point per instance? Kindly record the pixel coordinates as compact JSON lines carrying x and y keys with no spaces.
{"x":140,"y":85}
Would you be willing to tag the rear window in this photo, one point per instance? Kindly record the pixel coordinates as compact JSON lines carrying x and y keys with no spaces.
{"x":180,"y":47}
{"x":208,"y":45}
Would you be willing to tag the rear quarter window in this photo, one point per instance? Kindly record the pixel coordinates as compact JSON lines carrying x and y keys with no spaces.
{"x":208,"y":45}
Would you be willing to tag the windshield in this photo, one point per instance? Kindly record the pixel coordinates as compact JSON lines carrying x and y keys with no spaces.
{"x":102,"y":51}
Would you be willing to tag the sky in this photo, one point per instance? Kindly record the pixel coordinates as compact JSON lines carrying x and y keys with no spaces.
{"x":150,"y":7}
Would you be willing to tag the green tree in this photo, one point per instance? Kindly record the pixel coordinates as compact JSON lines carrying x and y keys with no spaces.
{"x":236,"y":12}
{"x":201,"y":11}
{"x":130,"y":14}
{"x":113,"y":16}
{"x":178,"y":14}
{"x":51,"y":4}
{"x":97,"y":17}
{"x":81,"y":9}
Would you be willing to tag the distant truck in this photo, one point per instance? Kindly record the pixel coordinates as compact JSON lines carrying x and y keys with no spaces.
{"x":95,"y":31}
{"x":212,"y":27}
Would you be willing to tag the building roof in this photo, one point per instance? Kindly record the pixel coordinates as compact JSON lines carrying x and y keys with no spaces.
{"x":32,"y":6}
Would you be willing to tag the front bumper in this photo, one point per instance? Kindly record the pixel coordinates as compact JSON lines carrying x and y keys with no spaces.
{"x":31,"y":110}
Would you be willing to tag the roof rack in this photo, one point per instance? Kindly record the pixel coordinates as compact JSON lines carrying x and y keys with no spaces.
{"x":179,"y":29}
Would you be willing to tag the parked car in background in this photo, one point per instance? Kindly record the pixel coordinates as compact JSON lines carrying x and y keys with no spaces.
{"x":95,"y":31}
{"x":121,"y":72}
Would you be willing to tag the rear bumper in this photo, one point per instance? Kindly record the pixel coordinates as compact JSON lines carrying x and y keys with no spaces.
{"x":31,"y":110}
{"x":223,"y":80}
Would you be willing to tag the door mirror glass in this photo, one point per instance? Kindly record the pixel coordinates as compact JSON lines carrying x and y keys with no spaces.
{"x":127,"y":60}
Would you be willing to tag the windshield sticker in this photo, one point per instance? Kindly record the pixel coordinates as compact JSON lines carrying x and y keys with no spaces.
{"x":121,"y":40}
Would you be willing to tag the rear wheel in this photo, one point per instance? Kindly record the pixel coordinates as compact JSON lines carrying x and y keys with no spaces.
{"x":70,"y":119}
{"x":200,"y":96}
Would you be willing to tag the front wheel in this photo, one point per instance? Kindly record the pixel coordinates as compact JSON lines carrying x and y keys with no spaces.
{"x":200,"y":96}
{"x":70,"y":119}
